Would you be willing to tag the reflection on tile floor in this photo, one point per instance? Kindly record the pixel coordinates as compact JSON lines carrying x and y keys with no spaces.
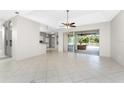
{"x":62,"y":68}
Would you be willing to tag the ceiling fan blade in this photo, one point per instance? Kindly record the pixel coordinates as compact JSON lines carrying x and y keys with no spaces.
{"x":72,"y":23}
{"x":72,"y":26}
{"x":66,"y":24}
{"x":63,"y":23}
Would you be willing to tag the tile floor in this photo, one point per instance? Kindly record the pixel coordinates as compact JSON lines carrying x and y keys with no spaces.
{"x":62,"y":68}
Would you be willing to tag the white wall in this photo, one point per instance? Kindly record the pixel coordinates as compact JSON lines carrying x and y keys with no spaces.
{"x":117,"y":37}
{"x":1,"y":41}
{"x":60,"y":41}
{"x":26,"y":36}
{"x":105,"y":34}
{"x":65,"y":42}
{"x":56,"y":46}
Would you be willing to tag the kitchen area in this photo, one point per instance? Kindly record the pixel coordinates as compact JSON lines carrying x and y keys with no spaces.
{"x":50,"y":40}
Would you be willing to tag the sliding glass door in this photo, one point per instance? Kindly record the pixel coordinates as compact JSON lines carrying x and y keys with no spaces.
{"x":71,"y":42}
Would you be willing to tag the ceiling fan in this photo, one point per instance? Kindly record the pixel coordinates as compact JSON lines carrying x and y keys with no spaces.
{"x":67,"y":24}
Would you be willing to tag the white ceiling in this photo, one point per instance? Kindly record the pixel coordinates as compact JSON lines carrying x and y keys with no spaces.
{"x":54,"y":18}
{"x":7,"y":14}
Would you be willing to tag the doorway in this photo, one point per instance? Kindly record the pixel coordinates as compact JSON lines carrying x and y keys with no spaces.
{"x":71,"y":42}
{"x":6,"y":40}
{"x":50,"y":40}
{"x":85,"y":42}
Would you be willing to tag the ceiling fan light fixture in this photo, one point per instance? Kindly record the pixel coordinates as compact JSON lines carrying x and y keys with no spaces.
{"x":67,"y":27}
{"x":68,"y":24}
